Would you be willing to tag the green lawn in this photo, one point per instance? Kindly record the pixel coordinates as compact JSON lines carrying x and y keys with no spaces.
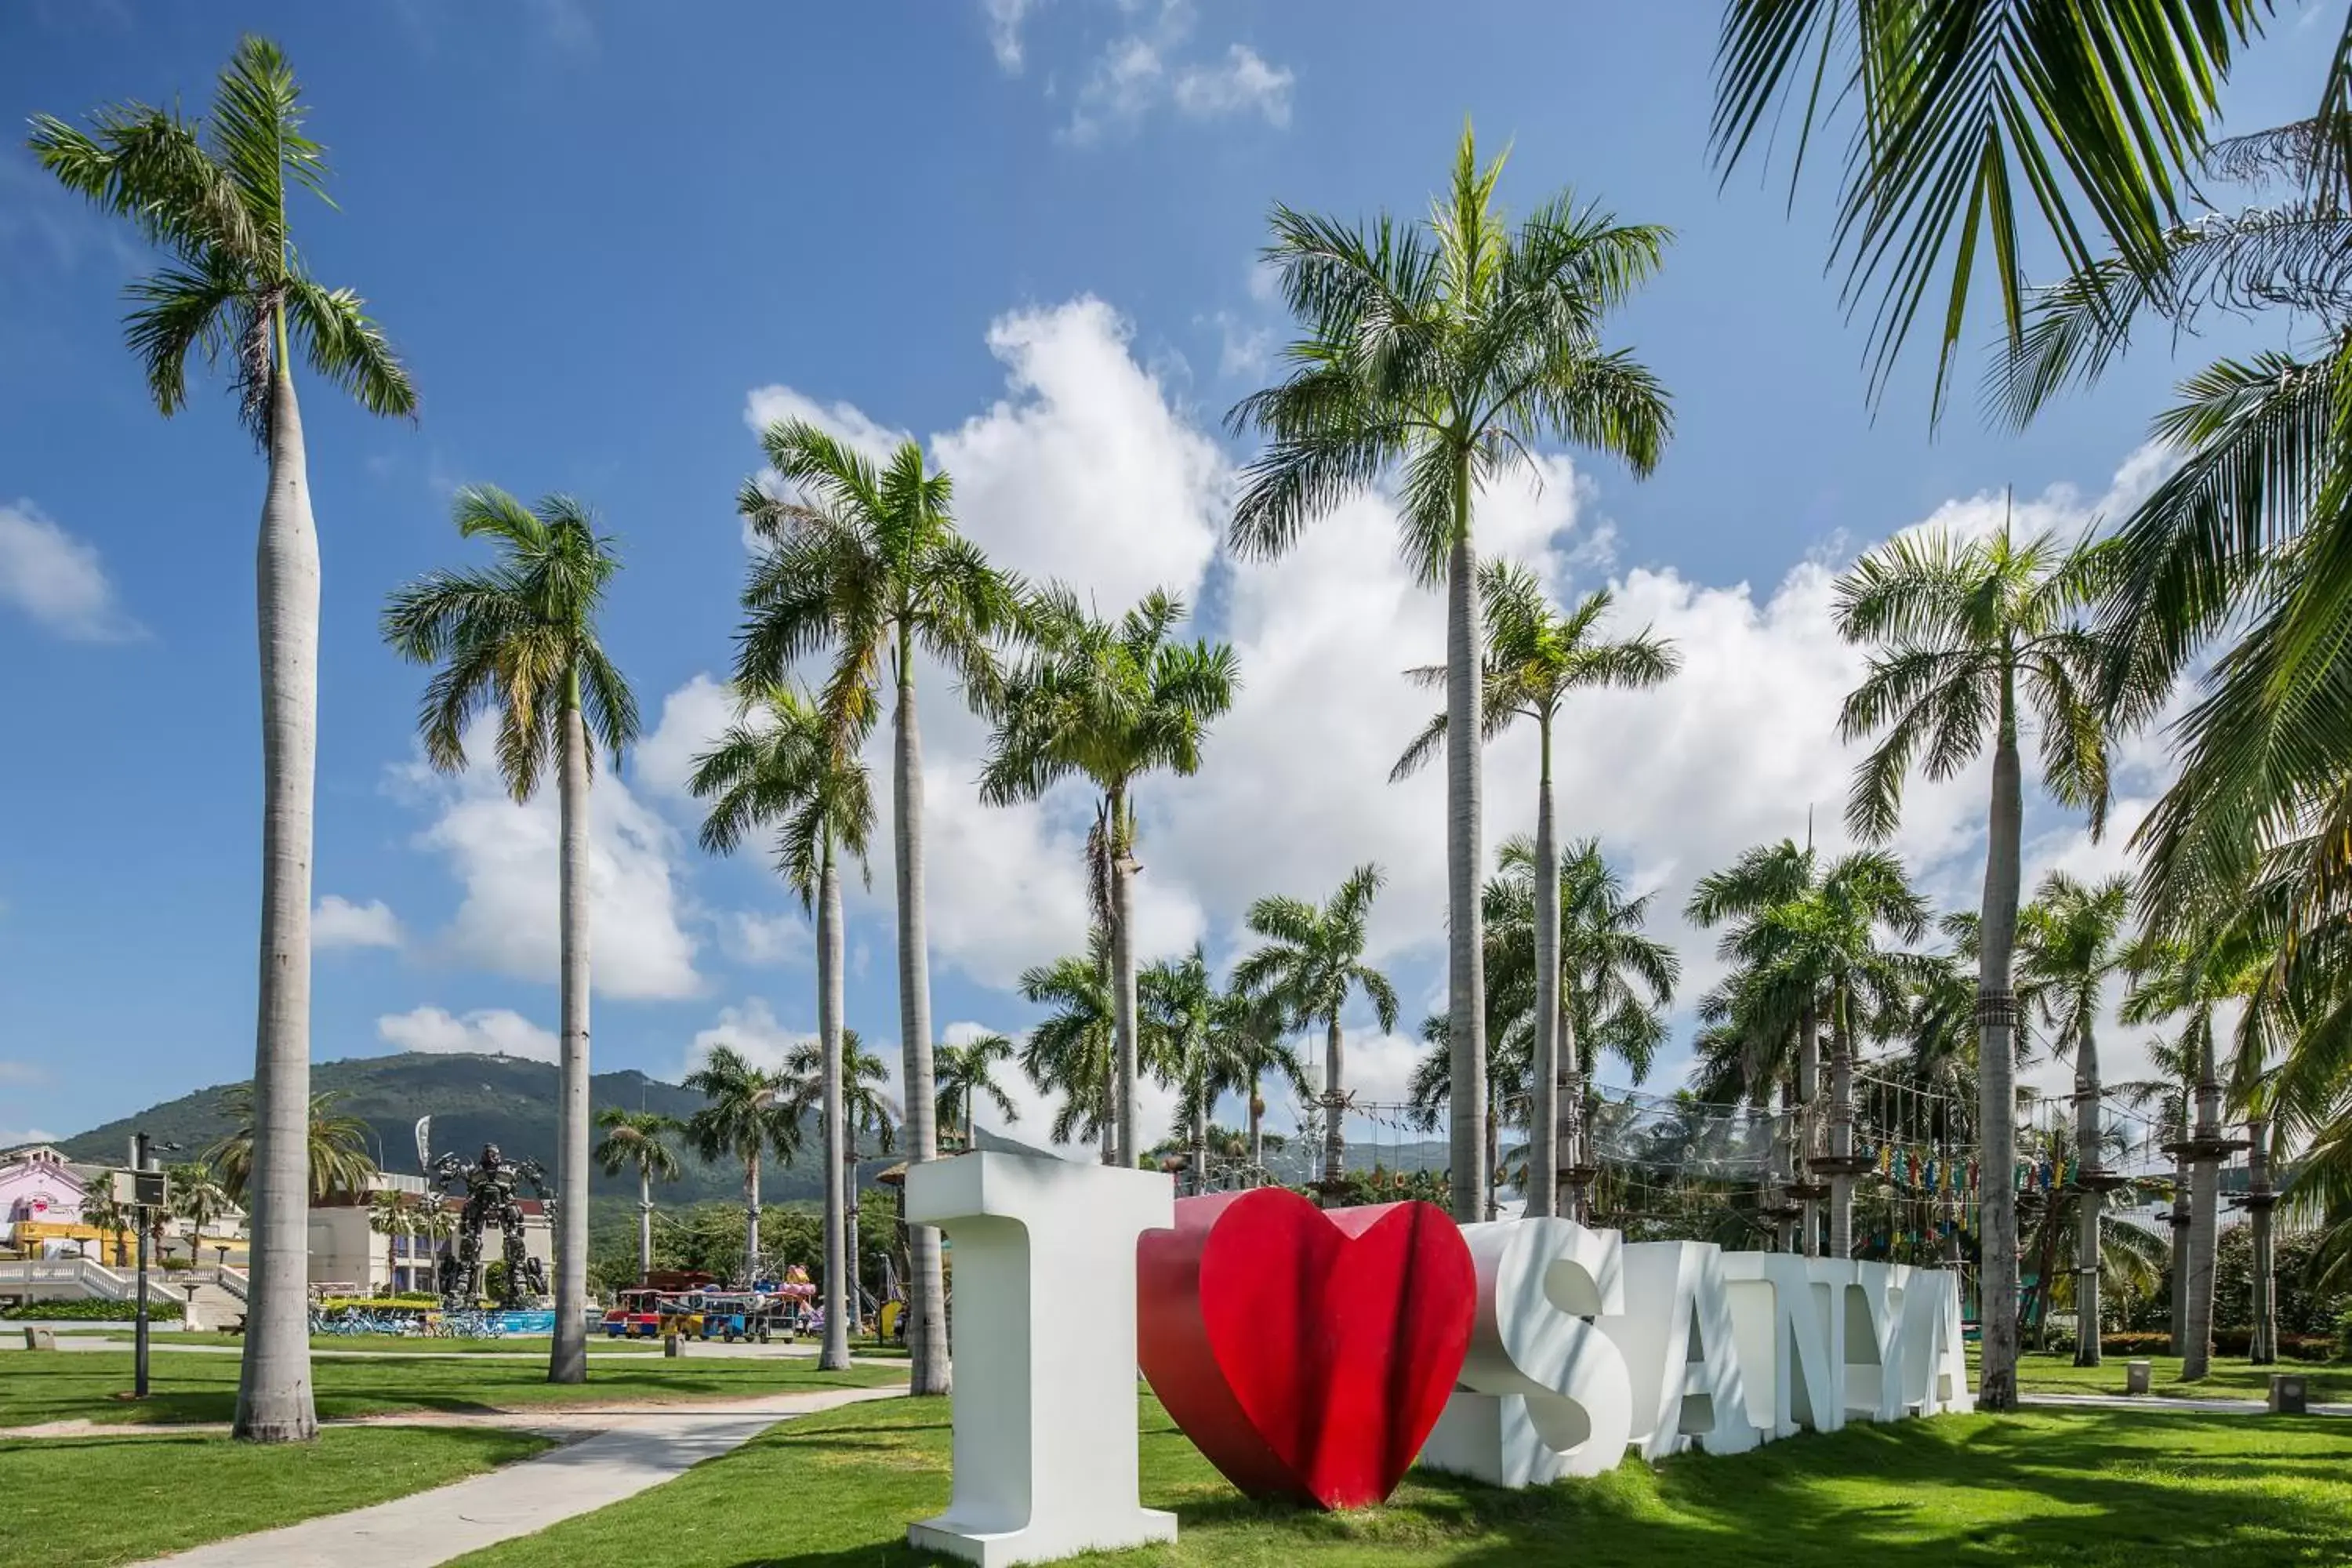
{"x":2228,"y":1379}
{"x":37,"y":1386}
{"x":535,"y":1343}
{"x":85,"y":1502}
{"x":2090,"y":1489}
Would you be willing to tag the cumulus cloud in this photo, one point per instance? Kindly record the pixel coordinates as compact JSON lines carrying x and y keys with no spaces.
{"x":485,"y":1031}
{"x":18,"y":1138}
{"x":753,"y":1032}
{"x":692,"y":718}
{"x":1085,"y":471}
{"x":505,"y":857}
{"x":767,"y":941}
{"x":57,"y":580}
{"x":338,"y":923}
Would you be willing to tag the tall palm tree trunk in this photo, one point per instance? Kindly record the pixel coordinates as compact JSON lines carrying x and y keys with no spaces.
{"x":1544,"y":1161}
{"x":568,"y":1356}
{"x":750,"y":1216}
{"x":2204,"y":1221}
{"x":1199,"y":1152}
{"x":2088,"y":1260}
{"x":1257,"y":1133}
{"x":1840,"y":1125}
{"x":834,"y":1354}
{"x":1122,"y":980}
{"x":273,"y":1392}
{"x":1335,"y":1102}
{"x":926,"y":1331}
{"x":1997,"y":1069}
{"x":849,"y":1243}
{"x":2264,"y":1349}
{"x":1809,"y":1074}
{"x":1465,"y":935}
{"x":645,"y":1223}
{"x":2180,"y":1222}
{"x":1574,"y":1195}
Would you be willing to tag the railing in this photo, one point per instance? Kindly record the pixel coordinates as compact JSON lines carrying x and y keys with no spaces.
{"x":78,"y":1276}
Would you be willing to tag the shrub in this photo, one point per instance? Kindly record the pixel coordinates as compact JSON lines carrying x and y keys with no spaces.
{"x":407,"y":1301}
{"x":94,"y":1310}
{"x":2226,"y":1342}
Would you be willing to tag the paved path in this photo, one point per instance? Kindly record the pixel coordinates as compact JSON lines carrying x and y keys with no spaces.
{"x":637,"y":1449}
{"x":713,"y":1350}
{"x":2157,"y":1402}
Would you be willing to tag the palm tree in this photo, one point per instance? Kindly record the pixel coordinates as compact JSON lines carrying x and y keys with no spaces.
{"x":1446,"y":353}
{"x":1198,"y":1033}
{"x":198,"y":1197}
{"x":1070,"y":1051}
{"x":639,"y":1141}
{"x":870,"y":564}
{"x":1535,"y":658}
{"x":389,"y":1217}
{"x":334,"y":1153}
{"x":521,"y":637}
{"x":1769,"y":1052}
{"x":214,"y":194}
{"x":112,"y":1219}
{"x":436,"y":1223}
{"x":968,"y":1071}
{"x":793,"y":771}
{"x":1822,"y":948}
{"x":1609,"y":989}
{"x":1108,"y":702}
{"x":866,"y":1111}
{"x":1311,"y":964}
{"x":750,"y":1114}
{"x":2100,"y":110}
{"x":1960,"y":626}
{"x":2071,"y":942}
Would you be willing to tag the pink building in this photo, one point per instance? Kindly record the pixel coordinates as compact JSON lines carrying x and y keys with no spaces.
{"x":40,"y":1202}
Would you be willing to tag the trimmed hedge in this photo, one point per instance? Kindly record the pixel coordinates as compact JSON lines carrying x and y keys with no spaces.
{"x":2226,"y":1341}
{"x":94,"y":1310}
{"x":409,"y":1301}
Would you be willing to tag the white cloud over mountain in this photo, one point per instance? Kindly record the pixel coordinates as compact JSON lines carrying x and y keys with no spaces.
{"x":491,"y":1031}
{"x":338,"y":923}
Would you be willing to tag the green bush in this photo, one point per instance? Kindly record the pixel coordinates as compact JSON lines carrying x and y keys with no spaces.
{"x":94,"y":1310}
{"x":2226,"y":1342}
{"x":407,"y":1301}
{"x":2344,"y":1336}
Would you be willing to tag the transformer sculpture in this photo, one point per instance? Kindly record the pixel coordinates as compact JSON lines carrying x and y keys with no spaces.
{"x":490,"y":1185}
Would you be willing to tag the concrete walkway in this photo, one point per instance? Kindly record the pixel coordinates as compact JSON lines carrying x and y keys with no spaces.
{"x":647,"y":1449}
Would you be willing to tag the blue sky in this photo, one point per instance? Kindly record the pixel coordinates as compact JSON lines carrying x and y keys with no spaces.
{"x":608,"y":237}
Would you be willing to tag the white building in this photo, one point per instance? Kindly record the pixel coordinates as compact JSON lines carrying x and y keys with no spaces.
{"x":350,"y":1257}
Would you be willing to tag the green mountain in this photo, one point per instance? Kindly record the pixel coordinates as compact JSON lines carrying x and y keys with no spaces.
{"x":473,"y":1100}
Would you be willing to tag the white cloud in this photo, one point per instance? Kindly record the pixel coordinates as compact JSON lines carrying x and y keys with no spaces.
{"x":57,"y":580}
{"x":338,"y":923}
{"x":1239,"y":84}
{"x":487,"y":1031}
{"x":768,"y":941}
{"x":1243,"y":351}
{"x":1083,"y":471}
{"x":23,"y":1073}
{"x":752,"y":1031}
{"x":845,"y":422}
{"x":1141,"y":71}
{"x":1005,"y":19}
{"x":692,"y":718}
{"x":13,"y":1138}
{"x":505,"y":855}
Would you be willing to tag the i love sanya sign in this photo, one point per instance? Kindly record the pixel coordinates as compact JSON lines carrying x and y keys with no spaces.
{"x":1318,"y":1354}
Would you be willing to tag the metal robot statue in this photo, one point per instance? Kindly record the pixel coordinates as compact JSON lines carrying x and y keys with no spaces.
{"x":490,"y":1185}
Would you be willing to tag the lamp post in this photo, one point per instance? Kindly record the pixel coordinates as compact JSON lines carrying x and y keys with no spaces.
{"x":142,"y":1160}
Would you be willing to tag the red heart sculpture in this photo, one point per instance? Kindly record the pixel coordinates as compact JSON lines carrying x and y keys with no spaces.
{"x":1307,"y":1351}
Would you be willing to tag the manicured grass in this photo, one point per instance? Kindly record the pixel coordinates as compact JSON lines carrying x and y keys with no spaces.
{"x":2325,"y":1382}
{"x":85,"y":1502}
{"x":63,"y":1385}
{"x":534,"y":1344}
{"x":2095,"y":1488}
